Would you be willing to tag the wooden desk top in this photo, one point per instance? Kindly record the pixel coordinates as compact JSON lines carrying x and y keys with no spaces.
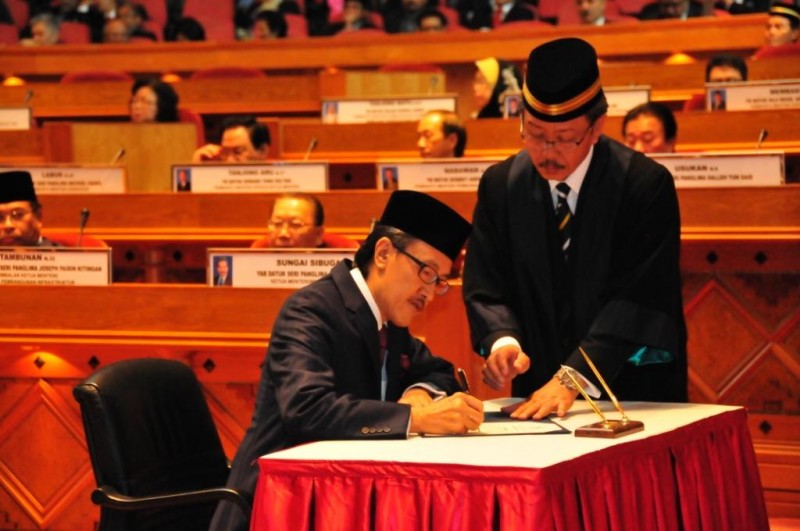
{"x":654,"y":40}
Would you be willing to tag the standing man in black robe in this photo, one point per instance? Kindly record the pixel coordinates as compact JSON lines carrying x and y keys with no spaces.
{"x":550,"y":269}
{"x":341,"y":363}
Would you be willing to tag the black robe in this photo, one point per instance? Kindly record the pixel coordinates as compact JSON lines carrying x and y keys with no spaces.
{"x":322,"y":378}
{"x":619,"y":291}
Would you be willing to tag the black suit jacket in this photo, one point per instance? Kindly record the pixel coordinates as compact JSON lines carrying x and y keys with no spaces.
{"x":620,"y":289}
{"x":652,"y":12}
{"x":321,"y":379}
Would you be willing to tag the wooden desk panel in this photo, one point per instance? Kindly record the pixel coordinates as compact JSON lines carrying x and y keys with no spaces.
{"x":648,"y":41}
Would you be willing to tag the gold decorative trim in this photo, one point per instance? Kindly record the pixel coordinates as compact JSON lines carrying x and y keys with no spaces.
{"x":565,"y":107}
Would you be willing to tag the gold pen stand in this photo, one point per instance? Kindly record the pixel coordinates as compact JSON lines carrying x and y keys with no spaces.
{"x":610,"y":429}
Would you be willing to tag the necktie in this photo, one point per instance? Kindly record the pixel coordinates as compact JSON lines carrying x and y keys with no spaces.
{"x":563,"y":216}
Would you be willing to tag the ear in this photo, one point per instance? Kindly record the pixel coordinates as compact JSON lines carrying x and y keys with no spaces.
{"x":320,"y":231}
{"x":597,"y":128}
{"x":452,"y":139}
{"x":383,"y":250}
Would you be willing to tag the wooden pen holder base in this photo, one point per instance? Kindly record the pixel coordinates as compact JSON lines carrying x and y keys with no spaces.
{"x":610,"y":429}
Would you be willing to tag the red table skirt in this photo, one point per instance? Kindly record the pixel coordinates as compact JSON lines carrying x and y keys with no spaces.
{"x":701,"y":477}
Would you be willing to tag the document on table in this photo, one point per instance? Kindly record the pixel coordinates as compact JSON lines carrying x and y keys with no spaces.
{"x":496,"y":422}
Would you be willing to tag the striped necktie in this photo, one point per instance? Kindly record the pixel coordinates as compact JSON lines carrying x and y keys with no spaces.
{"x":563,"y":216}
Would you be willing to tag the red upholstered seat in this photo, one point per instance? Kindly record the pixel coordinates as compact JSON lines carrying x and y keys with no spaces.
{"x":787,"y":50}
{"x":216,"y":16}
{"x":71,"y":240}
{"x":8,"y":34}
{"x":696,"y":103}
{"x":74,"y":33}
{"x":329,"y":240}
{"x":296,"y":26}
{"x":19,"y":12}
{"x":188,"y":116}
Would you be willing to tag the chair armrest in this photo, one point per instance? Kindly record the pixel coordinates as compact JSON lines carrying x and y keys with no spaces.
{"x":106,"y":496}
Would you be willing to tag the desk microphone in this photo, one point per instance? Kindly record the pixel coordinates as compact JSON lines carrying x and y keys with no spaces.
{"x":432,"y":84}
{"x":762,"y":135}
{"x":28,"y":96}
{"x":311,"y":147}
{"x":84,"y":219}
{"x":118,"y":156}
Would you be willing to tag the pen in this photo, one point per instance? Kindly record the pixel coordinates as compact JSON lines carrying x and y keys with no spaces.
{"x":462,"y":380}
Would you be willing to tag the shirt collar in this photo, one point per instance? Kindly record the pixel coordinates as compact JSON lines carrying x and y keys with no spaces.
{"x":574,"y":180}
{"x":361,"y":283}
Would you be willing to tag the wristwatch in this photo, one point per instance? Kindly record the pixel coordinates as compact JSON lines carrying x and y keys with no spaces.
{"x":564,"y":379}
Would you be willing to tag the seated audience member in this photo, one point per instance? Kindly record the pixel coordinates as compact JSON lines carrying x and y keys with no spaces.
{"x":493,"y":80}
{"x":341,"y":364}
{"x":20,"y":212}
{"x":512,"y":11}
{"x":268,"y":25}
{"x":116,"y":32}
{"x":134,"y":16}
{"x":92,"y":13}
{"x":650,"y":128}
{"x":153,"y":101}
{"x":742,"y":7}
{"x":441,"y":135}
{"x":431,"y":20}
{"x":189,"y":29}
{"x":474,"y":14}
{"x":783,"y":25}
{"x":44,"y":29}
{"x":297,"y":220}
{"x":403,"y":18}
{"x":355,"y":17}
{"x":243,"y":140}
{"x":592,"y":12}
{"x":726,"y":68}
{"x":671,"y":9}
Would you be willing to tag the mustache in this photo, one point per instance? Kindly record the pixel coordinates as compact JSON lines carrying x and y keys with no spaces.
{"x":550,"y":164}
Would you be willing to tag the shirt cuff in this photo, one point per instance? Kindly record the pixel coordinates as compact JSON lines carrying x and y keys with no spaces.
{"x":590,"y":388}
{"x":504,"y":342}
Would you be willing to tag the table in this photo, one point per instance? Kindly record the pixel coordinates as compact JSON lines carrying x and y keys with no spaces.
{"x":693,"y":467}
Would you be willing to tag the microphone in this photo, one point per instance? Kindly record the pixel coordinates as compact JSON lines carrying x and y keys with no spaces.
{"x":28,"y":96}
{"x":84,"y":219}
{"x":311,"y":147}
{"x":118,"y":155}
{"x":432,"y":82}
{"x":762,"y":135}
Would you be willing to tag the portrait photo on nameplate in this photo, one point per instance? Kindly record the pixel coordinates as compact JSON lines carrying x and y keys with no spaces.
{"x":271,"y":268}
{"x":272,"y":177}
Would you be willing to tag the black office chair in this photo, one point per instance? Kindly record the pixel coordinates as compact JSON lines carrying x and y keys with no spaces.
{"x":155,"y":451}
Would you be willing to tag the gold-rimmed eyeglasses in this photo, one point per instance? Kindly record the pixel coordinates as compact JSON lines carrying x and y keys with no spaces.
{"x":539,"y":141}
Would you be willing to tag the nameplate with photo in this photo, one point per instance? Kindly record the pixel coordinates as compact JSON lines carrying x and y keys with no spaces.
{"x":72,"y":179}
{"x":623,"y":99}
{"x":271,"y":268}
{"x":54,"y":266}
{"x":433,"y":175}
{"x":753,"y":95}
{"x":724,"y":169}
{"x":405,"y":109}
{"x":250,"y":178}
{"x":15,"y":118}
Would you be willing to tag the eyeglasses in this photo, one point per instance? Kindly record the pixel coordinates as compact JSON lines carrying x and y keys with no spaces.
{"x":539,"y":142}
{"x":427,"y":274}
{"x":142,"y":101}
{"x":291,"y":224}
{"x":16,"y":215}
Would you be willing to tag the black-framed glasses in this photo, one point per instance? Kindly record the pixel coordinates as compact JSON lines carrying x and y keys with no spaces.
{"x":539,"y":142}
{"x":427,"y":274}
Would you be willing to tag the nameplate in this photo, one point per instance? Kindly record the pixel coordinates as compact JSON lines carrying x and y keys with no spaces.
{"x":439,"y":175}
{"x":753,"y":96}
{"x":53,"y":266}
{"x":64,"y":179}
{"x":724,"y":170}
{"x":271,"y":268}
{"x":15,"y":118}
{"x":623,"y":99}
{"x":362,"y":111}
{"x":251,"y":178}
